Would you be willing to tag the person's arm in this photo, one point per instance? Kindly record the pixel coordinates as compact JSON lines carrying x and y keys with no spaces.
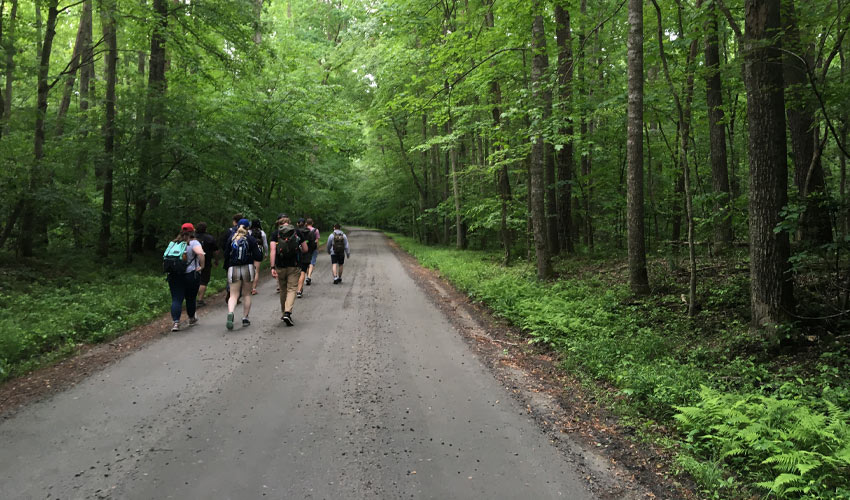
{"x":303,"y":246}
{"x":201,"y":256}
{"x":330,"y":244}
{"x":347,"y":250}
{"x":272,"y":256}
{"x":265,"y":242}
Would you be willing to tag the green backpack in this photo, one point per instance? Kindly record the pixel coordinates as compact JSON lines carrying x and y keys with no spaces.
{"x":174,"y":258}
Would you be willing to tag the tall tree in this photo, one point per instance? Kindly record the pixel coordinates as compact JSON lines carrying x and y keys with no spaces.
{"x":717,"y":138}
{"x":638,"y":277}
{"x":566,"y":153}
{"x":9,"y":46}
{"x":537,"y":161}
{"x":107,"y":15}
{"x":771,"y":293}
{"x":32,"y":214}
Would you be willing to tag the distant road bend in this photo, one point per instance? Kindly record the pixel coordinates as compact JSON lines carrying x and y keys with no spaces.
{"x":373,"y":394}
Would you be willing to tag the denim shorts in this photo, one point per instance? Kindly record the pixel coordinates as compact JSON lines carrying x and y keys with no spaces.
{"x":313,"y":257}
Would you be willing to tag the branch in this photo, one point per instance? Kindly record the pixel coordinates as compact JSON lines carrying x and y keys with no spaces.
{"x":732,"y":23}
{"x":817,"y":93}
{"x":71,"y":68}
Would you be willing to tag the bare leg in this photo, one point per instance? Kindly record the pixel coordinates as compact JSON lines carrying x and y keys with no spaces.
{"x":334,"y":269}
{"x":256,"y":277}
{"x":246,"y":297}
{"x":202,"y":290}
{"x":301,"y":279}
{"x":340,"y":272}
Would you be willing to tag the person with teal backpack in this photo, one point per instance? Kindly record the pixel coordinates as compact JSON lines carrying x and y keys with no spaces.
{"x":183,"y":262}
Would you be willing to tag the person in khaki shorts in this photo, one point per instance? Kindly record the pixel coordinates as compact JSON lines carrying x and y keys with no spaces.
{"x":286,"y":247}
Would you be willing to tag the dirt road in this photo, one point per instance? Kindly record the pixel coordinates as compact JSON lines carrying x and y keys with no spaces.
{"x":372,"y":394}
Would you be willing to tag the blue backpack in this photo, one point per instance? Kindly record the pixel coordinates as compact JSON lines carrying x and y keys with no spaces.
{"x":174,"y":258}
{"x":239,"y":252}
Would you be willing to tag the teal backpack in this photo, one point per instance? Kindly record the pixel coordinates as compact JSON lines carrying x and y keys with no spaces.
{"x":173,"y":260}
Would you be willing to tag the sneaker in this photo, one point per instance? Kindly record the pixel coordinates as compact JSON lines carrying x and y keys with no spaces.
{"x":340,"y":279}
{"x":246,"y":322}
{"x":287,"y":318}
{"x":336,"y":280}
{"x":201,"y":303}
{"x":307,"y":281}
{"x":175,"y":327}
{"x":230,"y":321}
{"x":193,"y":321}
{"x":299,"y":294}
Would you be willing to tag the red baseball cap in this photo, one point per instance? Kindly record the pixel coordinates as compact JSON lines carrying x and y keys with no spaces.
{"x":187,"y":227}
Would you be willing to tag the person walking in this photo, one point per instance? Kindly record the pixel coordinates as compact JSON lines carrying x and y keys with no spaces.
{"x":285,"y":248}
{"x":303,"y":258}
{"x":263,"y":243}
{"x":241,"y":254}
{"x":313,"y":245}
{"x":211,"y":252}
{"x":183,"y":282}
{"x":224,"y":241}
{"x":339,"y":250}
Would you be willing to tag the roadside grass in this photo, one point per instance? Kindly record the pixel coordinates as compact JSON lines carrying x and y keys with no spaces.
{"x":742,"y":418}
{"x":52,"y":304}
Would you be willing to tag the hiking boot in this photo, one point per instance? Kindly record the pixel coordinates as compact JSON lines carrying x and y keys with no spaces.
{"x":298,"y":295}
{"x":175,"y":327}
{"x":193,"y":321}
{"x":287,"y":318}
{"x":308,"y":280}
{"x":246,"y":322}
{"x":229,"y":321}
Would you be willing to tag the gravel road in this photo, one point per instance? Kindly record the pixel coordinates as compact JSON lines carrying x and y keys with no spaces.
{"x":372,"y":394}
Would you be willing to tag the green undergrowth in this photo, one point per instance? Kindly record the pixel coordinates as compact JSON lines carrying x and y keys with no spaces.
{"x":51,"y":305}
{"x":742,"y":419}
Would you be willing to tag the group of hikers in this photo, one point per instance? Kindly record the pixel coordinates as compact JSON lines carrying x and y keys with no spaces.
{"x":292,"y":251}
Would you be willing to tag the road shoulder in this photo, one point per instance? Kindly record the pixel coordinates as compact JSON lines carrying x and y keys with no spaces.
{"x":615,"y":464}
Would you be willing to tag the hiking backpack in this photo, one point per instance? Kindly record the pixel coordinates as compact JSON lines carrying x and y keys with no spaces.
{"x":258,"y":235}
{"x":287,"y":245}
{"x":339,"y":244}
{"x":240,"y":254}
{"x":173,"y":259}
{"x":305,"y":234}
{"x":311,"y":241}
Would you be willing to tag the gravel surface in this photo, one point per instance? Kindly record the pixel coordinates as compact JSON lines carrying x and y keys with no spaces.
{"x":372,"y":394}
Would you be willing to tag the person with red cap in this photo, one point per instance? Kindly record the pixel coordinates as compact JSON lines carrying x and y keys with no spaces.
{"x":184,"y":283}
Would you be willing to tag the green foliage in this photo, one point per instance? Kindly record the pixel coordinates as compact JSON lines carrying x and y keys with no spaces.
{"x":50,"y":306}
{"x":782,"y":445}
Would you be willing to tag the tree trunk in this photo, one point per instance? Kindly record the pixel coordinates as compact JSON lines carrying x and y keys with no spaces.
{"x":815,"y":227}
{"x":537,"y":165}
{"x":71,"y":78}
{"x":152,"y":134}
{"x":31,"y":213}
{"x":460,"y":240}
{"x":717,"y":139}
{"x":771,"y":293}
{"x":110,"y":37}
{"x":566,"y":154}
{"x":9,"y":44}
{"x":258,"y":21}
{"x":638,"y":278}
{"x":503,"y":181}
{"x":86,"y":87}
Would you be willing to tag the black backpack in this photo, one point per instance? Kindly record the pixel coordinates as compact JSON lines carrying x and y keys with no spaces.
{"x":311,"y":241}
{"x":287,"y":245}
{"x":258,"y":235}
{"x":305,"y":234}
